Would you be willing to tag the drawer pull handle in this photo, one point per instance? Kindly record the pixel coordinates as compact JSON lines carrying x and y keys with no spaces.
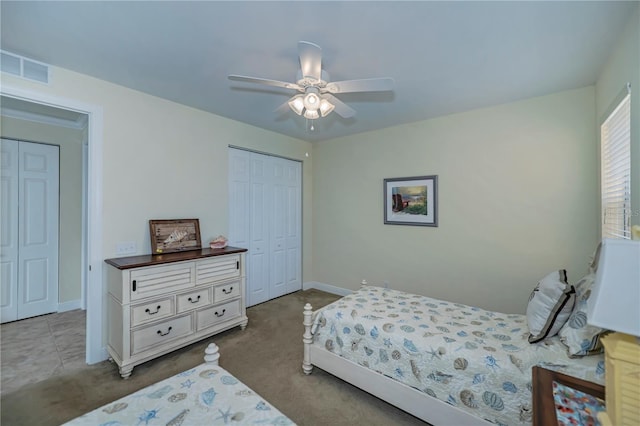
{"x":134,"y":285}
{"x":164,"y":334}
{"x":225,"y":291}
{"x":219,"y":315}
{"x":153,"y":313}
{"x":194,"y":301}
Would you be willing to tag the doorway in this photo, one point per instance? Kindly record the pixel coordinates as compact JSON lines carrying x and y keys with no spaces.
{"x":91,"y":256}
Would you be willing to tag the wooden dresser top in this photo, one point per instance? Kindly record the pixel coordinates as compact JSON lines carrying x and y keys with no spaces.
{"x":159,"y":259}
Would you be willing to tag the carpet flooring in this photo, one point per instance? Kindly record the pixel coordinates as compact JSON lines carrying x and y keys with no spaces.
{"x":266,"y":356}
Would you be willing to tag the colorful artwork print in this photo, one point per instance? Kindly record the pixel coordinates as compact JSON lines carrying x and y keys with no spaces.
{"x":574,"y":407}
{"x":411,"y":201}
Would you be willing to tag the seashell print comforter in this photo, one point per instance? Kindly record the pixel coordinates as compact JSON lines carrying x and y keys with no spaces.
{"x":204,"y":395}
{"x":477,"y":360}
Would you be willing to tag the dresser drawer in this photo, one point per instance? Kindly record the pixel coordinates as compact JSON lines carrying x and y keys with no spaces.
{"x":218,"y":314}
{"x":217,"y":269}
{"x":160,"y":333}
{"x":151,"y":311}
{"x":157,"y":280}
{"x":193,"y":299}
{"x":226,"y":291}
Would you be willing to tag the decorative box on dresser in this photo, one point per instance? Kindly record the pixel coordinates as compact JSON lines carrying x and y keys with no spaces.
{"x":159,"y":303}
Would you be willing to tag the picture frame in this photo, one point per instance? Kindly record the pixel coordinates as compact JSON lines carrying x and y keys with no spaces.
{"x":411,"y":201}
{"x":172,"y":235}
{"x":544,"y":407}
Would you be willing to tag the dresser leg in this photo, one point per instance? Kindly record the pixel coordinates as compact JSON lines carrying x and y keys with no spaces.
{"x":243,"y":324}
{"x":125,"y":372}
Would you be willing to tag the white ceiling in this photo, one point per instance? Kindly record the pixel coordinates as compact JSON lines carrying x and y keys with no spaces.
{"x":445,"y":57}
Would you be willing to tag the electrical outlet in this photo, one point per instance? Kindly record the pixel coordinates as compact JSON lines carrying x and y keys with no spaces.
{"x":125,"y":248}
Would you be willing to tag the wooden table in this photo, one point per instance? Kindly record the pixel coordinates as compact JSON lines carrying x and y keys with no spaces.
{"x":544,"y":412}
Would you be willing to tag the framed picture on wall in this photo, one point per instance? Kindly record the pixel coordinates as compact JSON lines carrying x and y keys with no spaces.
{"x":171,"y":235}
{"x":411,"y":201}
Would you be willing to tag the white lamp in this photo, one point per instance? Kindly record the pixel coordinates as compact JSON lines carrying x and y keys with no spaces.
{"x":615,"y":302}
{"x":615,"y":305}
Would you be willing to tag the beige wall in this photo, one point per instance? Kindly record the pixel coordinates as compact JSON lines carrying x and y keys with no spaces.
{"x":163,"y":160}
{"x":623,"y":67}
{"x":70,"y":142}
{"x":517,"y":199}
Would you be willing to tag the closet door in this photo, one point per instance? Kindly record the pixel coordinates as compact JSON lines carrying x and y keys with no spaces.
{"x":9,"y":231}
{"x":30,"y":210}
{"x":264,"y":211}
{"x":247,"y":194}
{"x":259,"y":230}
{"x":285,"y":226}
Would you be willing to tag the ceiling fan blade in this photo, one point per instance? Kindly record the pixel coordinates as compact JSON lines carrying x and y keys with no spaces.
{"x":342,"y":109}
{"x":283,"y":109}
{"x":363,"y":85}
{"x":265,"y":81}
{"x":310,"y":60}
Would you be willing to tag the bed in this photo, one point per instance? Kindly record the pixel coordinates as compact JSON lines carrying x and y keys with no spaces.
{"x":443,"y":362}
{"x":206,"y":394}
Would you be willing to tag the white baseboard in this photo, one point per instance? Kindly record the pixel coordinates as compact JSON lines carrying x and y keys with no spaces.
{"x":69,"y":306}
{"x":326,"y":287}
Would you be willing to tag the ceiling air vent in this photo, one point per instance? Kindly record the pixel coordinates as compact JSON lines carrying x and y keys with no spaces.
{"x":25,"y":68}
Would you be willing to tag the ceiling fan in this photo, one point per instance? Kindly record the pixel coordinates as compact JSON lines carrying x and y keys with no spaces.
{"x":316,"y":98}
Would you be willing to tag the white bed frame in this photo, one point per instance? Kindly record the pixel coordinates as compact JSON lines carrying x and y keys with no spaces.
{"x":409,"y":399}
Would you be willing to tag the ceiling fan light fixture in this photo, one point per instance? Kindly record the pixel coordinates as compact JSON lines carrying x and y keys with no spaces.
{"x":326,"y":107}
{"x":311,"y":114}
{"x":311,"y":101}
{"x":297,"y":104}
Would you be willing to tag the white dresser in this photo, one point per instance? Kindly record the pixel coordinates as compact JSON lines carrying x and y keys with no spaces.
{"x":159,"y":303}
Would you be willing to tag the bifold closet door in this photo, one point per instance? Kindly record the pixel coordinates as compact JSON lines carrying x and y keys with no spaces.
{"x":285,"y":226}
{"x":264,"y":217}
{"x":30,"y":203}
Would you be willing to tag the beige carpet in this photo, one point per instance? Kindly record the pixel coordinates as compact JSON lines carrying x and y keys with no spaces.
{"x":267,"y":357}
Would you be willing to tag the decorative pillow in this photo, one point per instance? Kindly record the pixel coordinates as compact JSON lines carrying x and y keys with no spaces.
{"x":581,"y":338}
{"x":550,"y":305}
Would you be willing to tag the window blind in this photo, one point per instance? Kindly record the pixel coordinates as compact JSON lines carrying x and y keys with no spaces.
{"x":615,"y":180}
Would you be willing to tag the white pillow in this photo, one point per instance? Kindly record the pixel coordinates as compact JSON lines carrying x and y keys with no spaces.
{"x":550,"y":305}
{"x":581,"y":338}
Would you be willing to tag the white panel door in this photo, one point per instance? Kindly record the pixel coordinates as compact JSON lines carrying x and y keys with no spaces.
{"x":293,"y":226}
{"x":9,"y":231}
{"x":258,"y":263}
{"x":278,"y":253}
{"x":38,"y":229}
{"x":247,"y":194}
{"x":264,"y":184}
{"x":30,"y":229}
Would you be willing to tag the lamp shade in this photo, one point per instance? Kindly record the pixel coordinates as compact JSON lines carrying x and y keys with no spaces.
{"x":615,"y":302}
{"x":297,"y":104}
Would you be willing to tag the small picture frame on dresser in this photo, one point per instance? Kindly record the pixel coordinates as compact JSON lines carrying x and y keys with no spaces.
{"x":578,"y":394}
{"x":172,"y":235}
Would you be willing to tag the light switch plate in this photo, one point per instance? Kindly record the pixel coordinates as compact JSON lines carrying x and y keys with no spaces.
{"x":126,"y":248}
